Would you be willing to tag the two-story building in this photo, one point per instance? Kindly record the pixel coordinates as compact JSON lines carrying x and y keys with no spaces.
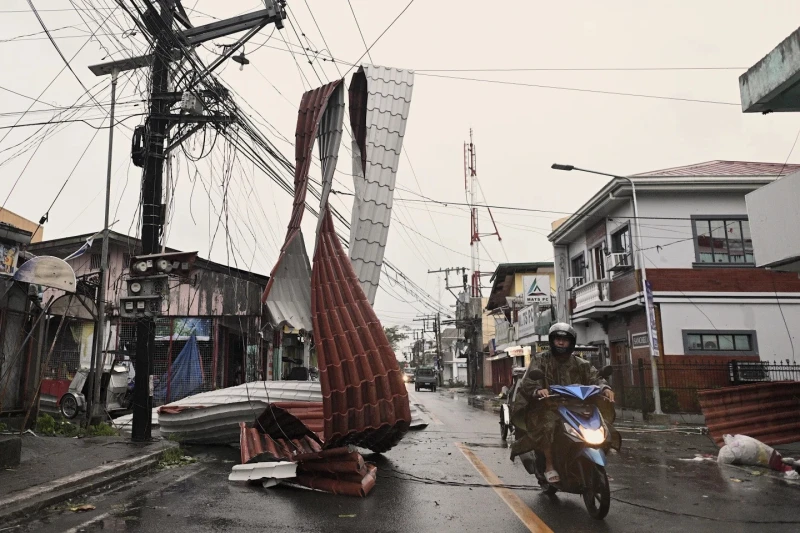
{"x":711,"y":301}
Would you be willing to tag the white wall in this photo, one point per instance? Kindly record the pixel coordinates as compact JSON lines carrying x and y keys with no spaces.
{"x":675,"y":236}
{"x":764,"y":319}
{"x":591,"y":333}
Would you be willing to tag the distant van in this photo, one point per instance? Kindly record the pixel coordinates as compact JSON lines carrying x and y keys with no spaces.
{"x":425,"y":378}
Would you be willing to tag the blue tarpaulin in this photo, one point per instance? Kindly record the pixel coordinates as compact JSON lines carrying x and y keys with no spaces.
{"x":185,"y":376}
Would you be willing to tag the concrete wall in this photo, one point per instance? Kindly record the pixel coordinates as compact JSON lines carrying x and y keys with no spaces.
{"x":764,"y":319}
{"x":674,"y":237}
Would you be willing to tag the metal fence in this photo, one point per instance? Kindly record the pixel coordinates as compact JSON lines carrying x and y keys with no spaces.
{"x":679,"y":383}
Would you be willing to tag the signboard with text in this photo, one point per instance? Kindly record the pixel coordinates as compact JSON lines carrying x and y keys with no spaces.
{"x":536,"y":289}
{"x":652,"y":330}
{"x":527,"y":321}
{"x":639,"y":340}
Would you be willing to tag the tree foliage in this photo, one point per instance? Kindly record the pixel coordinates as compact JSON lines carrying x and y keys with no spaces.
{"x":395,"y":336}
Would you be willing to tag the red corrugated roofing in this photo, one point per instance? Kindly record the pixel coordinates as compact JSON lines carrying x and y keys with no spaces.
{"x":725,"y":169}
{"x":364,"y":399}
{"x":769,"y":412}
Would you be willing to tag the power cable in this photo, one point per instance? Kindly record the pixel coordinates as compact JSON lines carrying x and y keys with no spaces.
{"x":579,"y":90}
{"x":349,"y":3}
{"x":379,"y":37}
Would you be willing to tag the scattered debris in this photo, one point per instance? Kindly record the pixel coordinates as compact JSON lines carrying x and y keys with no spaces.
{"x":791,"y":474}
{"x":736,"y":480}
{"x":744,"y":450}
{"x":701,"y":458}
{"x":347,"y":516}
{"x":82,"y":508}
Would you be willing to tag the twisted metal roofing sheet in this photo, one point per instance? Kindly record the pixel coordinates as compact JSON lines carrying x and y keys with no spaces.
{"x":287,"y":294}
{"x":724,"y":169}
{"x":379,"y":103}
{"x":769,"y":412}
{"x":365,"y":400}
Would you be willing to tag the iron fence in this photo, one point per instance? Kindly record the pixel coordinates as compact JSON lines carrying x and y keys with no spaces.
{"x":679,"y":383}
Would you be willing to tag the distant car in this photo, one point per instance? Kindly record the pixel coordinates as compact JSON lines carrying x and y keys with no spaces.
{"x":425,"y":378}
{"x":408,"y":375}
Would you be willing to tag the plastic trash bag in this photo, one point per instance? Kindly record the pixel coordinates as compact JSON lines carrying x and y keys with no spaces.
{"x":744,"y":450}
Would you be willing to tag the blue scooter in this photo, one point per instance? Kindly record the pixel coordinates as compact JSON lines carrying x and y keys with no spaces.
{"x":579,"y":447}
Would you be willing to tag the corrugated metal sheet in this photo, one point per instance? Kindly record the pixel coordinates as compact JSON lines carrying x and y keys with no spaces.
{"x":365,"y":400}
{"x":379,"y":104}
{"x":724,"y":169}
{"x":769,"y":412}
{"x":330,"y":138}
{"x":287,"y":293}
{"x":213,"y":417}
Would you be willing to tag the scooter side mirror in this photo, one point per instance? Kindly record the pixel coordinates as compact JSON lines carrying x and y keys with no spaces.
{"x":536,"y":374}
{"x":607,"y":371}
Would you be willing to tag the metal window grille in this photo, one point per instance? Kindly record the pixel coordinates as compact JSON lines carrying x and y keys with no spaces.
{"x":94,"y":261}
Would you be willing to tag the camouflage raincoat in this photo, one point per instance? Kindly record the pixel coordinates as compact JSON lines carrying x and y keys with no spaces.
{"x":538,"y":420}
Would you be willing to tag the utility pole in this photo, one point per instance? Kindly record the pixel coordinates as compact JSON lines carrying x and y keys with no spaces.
{"x":439,"y":354}
{"x":152,"y":220}
{"x":471,"y":188}
{"x":157,"y":126}
{"x":446,"y":272}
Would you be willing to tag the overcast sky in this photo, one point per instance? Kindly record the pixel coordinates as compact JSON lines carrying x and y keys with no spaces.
{"x":519,"y":130}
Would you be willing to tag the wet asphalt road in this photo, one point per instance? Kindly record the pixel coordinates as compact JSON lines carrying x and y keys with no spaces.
{"x":428,"y":484}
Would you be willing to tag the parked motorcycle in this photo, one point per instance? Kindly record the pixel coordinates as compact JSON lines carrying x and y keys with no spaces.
{"x":506,"y":427}
{"x":116,"y":390}
{"x":581,"y":443}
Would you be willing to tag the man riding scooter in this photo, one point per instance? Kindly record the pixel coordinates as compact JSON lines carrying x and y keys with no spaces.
{"x":536,"y":418}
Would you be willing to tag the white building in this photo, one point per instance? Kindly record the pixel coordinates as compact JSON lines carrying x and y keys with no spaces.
{"x":710,"y":298}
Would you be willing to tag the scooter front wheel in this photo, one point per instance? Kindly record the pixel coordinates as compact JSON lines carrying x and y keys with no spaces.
{"x":597,"y":495}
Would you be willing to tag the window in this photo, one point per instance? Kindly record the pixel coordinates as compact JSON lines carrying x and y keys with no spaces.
{"x":621,"y":241}
{"x":720,"y":342}
{"x":723,"y":241}
{"x":94,"y":262}
{"x":577,"y":266}
{"x":599,"y":262}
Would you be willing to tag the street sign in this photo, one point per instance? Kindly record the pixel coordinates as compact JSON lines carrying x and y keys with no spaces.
{"x":652,"y":330}
{"x":536,"y":289}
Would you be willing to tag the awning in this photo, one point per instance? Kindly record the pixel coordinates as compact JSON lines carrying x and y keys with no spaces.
{"x":498,"y":357}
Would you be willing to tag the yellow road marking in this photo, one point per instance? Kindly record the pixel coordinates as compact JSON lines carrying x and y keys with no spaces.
{"x":523,"y":512}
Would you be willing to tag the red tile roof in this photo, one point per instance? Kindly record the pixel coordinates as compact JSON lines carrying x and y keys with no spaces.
{"x":725,"y":169}
{"x":364,"y":398}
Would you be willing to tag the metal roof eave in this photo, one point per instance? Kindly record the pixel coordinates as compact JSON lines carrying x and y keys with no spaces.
{"x":603,"y":197}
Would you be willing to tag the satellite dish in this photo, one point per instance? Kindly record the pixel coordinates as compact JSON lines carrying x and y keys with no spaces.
{"x":47,"y":271}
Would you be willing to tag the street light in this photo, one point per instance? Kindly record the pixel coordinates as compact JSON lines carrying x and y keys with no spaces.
{"x":653,"y":367}
{"x":113,"y":68}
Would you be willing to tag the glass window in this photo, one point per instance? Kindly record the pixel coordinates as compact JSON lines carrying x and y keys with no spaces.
{"x":710,"y":342}
{"x":725,"y":342}
{"x":723,"y":241}
{"x":695,"y":342}
{"x":743,"y":342}
{"x":578,"y":267}
{"x":720,"y":343}
{"x":621,"y":241}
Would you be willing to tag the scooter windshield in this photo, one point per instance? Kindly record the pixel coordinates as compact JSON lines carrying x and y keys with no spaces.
{"x":580,"y":392}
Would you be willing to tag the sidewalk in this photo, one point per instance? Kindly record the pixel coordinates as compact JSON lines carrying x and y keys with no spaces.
{"x":54,"y":469}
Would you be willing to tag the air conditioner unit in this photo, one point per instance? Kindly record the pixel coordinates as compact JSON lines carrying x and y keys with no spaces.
{"x":574,"y":282}
{"x":619,"y":261}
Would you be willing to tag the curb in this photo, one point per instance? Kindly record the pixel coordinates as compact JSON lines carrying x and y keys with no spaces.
{"x":40,"y":496}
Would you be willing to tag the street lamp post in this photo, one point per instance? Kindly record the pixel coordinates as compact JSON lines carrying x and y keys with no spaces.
{"x":113,"y":68}
{"x":640,"y":254}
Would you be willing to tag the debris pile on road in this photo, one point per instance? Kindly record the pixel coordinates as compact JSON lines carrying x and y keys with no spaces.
{"x":281,"y":446}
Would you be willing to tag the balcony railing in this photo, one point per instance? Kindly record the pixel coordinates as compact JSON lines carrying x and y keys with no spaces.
{"x":589,"y":293}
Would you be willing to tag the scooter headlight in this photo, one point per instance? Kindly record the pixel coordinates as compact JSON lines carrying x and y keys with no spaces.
{"x":594,"y":436}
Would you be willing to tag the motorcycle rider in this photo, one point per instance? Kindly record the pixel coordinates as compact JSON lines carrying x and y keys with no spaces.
{"x":538,"y":419}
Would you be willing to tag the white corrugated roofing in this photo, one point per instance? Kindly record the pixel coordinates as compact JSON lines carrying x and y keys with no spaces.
{"x":389,"y":93}
{"x":289,"y":300}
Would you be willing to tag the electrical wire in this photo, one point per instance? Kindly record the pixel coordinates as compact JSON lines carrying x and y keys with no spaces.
{"x":379,"y":37}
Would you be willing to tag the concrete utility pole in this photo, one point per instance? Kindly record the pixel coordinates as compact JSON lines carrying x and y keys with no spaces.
{"x":159,"y":120}
{"x":640,"y":260}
